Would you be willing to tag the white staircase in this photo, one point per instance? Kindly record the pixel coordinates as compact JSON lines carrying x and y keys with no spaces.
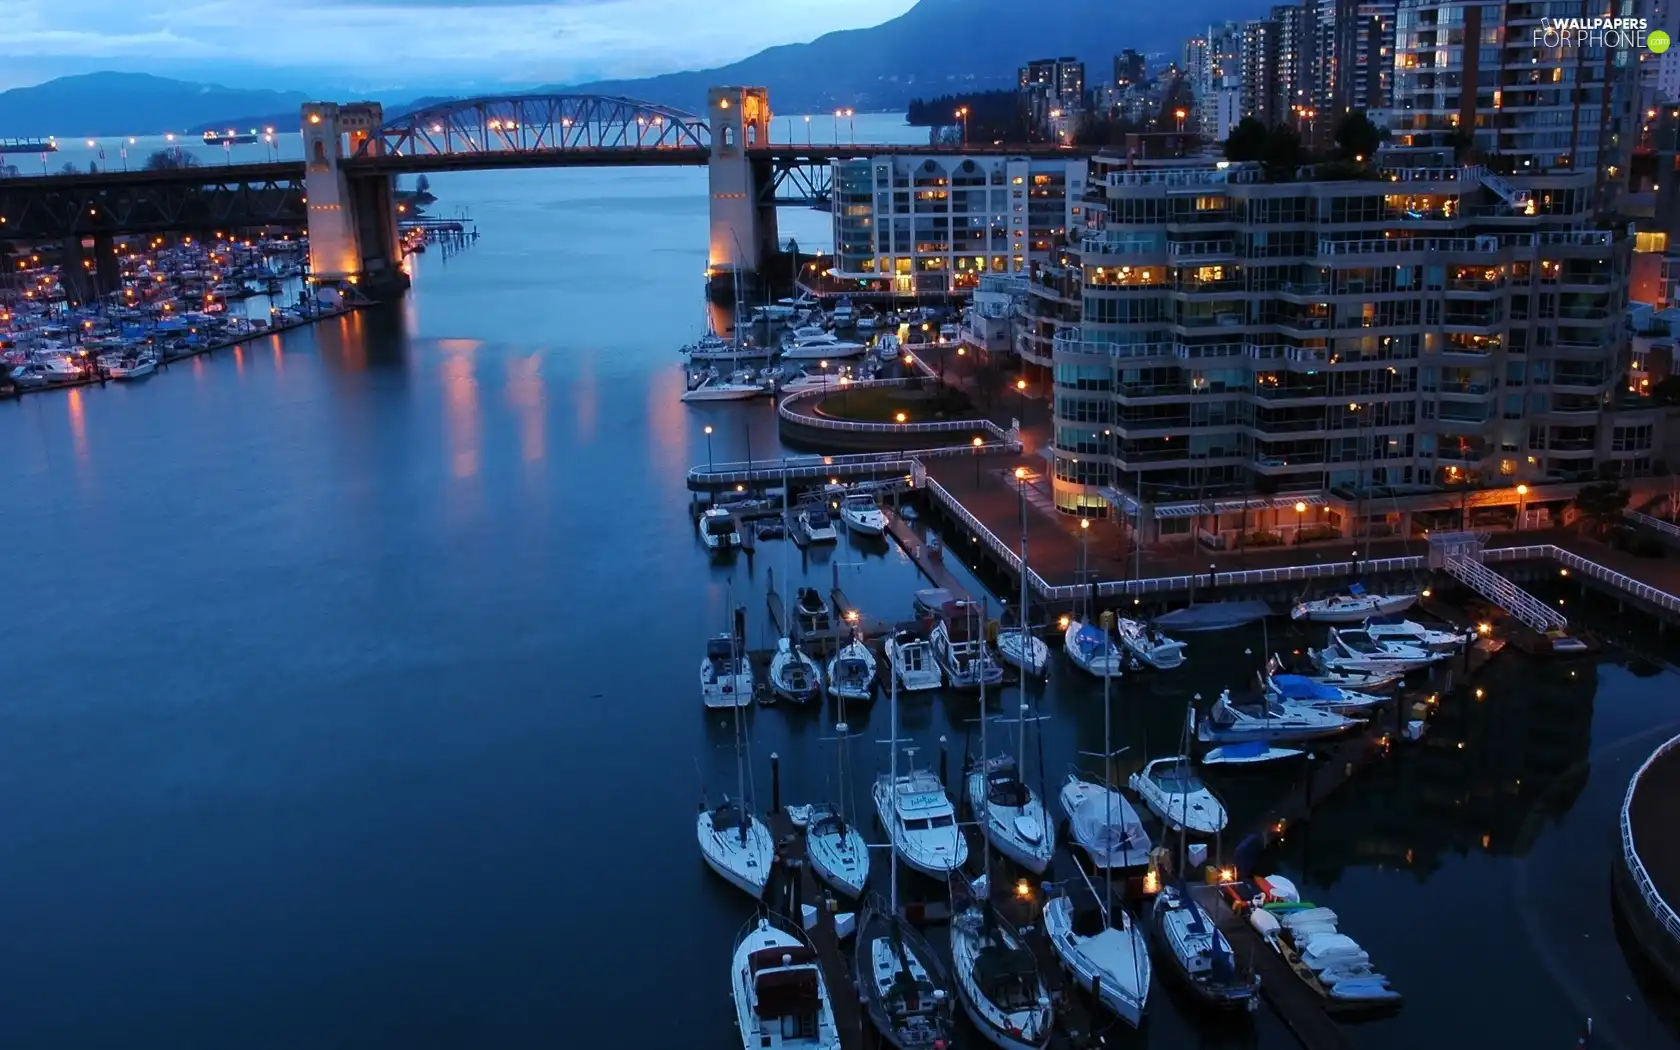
{"x":1519,"y":200}
{"x":1460,"y":554}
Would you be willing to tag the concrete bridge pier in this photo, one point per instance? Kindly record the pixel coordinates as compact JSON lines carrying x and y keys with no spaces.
{"x":743,"y":230}
{"x":352,"y":221}
{"x":90,"y":268}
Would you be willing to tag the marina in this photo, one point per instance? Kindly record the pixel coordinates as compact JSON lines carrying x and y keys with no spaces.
{"x":447,"y":476}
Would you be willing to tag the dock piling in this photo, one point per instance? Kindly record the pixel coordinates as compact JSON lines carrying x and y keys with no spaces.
{"x":945,"y":759}
{"x":775,"y":783}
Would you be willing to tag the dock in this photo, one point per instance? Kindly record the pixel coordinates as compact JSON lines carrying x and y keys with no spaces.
{"x":794,"y":886}
{"x":1301,"y":1008}
{"x":931,"y":563}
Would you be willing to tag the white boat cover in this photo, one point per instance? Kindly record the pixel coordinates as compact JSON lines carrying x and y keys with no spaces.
{"x":1091,"y":825}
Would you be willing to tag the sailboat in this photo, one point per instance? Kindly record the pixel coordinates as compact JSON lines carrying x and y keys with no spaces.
{"x":781,"y":999}
{"x":1148,"y":644}
{"x":1018,"y":645}
{"x":903,"y":988}
{"x":1100,"y":945}
{"x":1010,"y":814}
{"x":1199,"y":953}
{"x":793,"y":675}
{"x":1092,"y":651}
{"x":851,"y":673}
{"x":1100,"y":818}
{"x":734,"y":843}
{"x":836,"y":848}
{"x":1356,"y":606}
{"x":996,"y":974}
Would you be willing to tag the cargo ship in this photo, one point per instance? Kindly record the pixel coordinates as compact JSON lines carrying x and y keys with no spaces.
{"x":229,"y":137}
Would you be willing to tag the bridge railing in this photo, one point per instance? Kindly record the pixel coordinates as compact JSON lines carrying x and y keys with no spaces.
{"x":815,"y":466}
{"x":1630,"y":854}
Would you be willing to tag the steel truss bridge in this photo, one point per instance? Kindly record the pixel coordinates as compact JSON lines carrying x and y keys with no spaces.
{"x":510,"y":131}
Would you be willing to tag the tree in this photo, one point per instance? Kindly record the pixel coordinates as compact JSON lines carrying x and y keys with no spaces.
{"x":166,"y":159}
{"x":1247,"y":141}
{"x":1601,"y":504}
{"x":1283,"y":153}
{"x":1357,"y":137}
{"x":69,"y":168}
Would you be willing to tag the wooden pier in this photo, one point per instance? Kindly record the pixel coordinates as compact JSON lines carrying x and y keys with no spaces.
{"x":1301,"y":1008}
{"x":794,"y":886}
{"x":931,"y":563}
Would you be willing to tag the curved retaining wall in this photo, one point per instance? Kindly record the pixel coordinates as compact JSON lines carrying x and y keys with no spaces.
{"x":806,"y":429}
{"x":1651,"y":919}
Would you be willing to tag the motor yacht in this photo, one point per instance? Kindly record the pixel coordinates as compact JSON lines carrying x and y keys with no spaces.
{"x":862,"y":515}
{"x":910,"y":660}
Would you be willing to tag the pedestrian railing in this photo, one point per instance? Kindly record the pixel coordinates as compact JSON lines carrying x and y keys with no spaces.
{"x":1575,"y":563}
{"x":1630,"y":855}
{"x":939,"y":426}
{"x":1531,"y":611}
{"x":1668,"y":528}
{"x":801,"y":468}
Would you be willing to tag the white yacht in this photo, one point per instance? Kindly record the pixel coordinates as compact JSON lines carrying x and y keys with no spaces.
{"x":1374,"y":681}
{"x":1408,"y":632}
{"x":844,"y":314}
{"x":1112,"y":960}
{"x":1304,"y":692}
{"x":726,"y":675}
{"x":738,"y":387}
{"x":793,"y":675}
{"x":1145,"y":642}
{"x":1265,"y":718}
{"x":1104,"y":824}
{"x":804,"y":381}
{"x":1173,"y":791}
{"x":781,"y":999}
{"x":1355,"y":606}
{"x":825,"y":347}
{"x":1010,"y":814}
{"x":1353,"y":649}
{"x":774,"y":311}
{"x":719,"y":531}
{"x":888,"y":348}
{"x":139,"y":366}
{"x":959,"y":645}
{"x":815,"y":525}
{"x":996,"y":974}
{"x":921,"y":822}
{"x":862,"y":515}
{"x":1092,"y":651}
{"x":910,"y":661}
{"x":851,"y":673}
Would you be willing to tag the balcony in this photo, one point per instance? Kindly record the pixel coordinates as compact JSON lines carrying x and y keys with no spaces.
{"x":1129,"y":246}
{"x":1398,"y":245}
{"x":1192,"y":178}
{"x":1188,"y":252}
{"x":1072,"y":340}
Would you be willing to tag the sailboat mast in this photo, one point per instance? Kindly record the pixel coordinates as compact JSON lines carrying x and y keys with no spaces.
{"x":984,"y":752}
{"x":1026,"y":651}
{"x":740,"y":759}
{"x":892,"y":797}
{"x":1108,"y":791}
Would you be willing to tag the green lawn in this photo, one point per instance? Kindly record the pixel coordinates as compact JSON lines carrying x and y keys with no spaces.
{"x":883,"y":405}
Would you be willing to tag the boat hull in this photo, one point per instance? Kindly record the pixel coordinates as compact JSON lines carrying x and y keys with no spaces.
{"x":1075,"y":962}
{"x":746,"y":868}
{"x":1031,"y":658}
{"x":1353,"y":612}
{"x":1074,"y":794}
{"x":722,"y":393}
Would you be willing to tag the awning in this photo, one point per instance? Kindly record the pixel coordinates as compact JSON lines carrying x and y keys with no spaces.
{"x":1288,"y":502}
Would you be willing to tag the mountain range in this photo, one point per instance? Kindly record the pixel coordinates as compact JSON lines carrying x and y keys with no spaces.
{"x":936,"y":47}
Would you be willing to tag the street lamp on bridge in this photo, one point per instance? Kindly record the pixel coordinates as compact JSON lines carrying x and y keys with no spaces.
{"x":962,"y":115}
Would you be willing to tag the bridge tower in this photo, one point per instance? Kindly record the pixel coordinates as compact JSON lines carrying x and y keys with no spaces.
{"x":743,"y":230}
{"x":352,"y":219}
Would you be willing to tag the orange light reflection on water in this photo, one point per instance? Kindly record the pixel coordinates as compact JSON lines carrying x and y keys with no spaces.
{"x":78,"y":425}
{"x":668,"y":421}
{"x":528,"y":396}
{"x":239,"y":359}
{"x":461,"y":414}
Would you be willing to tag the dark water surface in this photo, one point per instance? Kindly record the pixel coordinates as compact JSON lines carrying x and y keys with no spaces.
{"x":351,"y":697}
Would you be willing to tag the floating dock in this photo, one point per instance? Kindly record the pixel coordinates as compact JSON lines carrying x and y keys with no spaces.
{"x":793,"y":887}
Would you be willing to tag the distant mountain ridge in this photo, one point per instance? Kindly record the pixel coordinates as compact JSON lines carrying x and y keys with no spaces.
{"x":104,"y":104}
{"x":937,"y":47}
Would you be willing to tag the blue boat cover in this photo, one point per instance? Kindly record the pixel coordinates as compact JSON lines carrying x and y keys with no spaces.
{"x":1357,"y":590}
{"x":1296,"y":687}
{"x":1091,"y":639}
{"x":1246,"y":749}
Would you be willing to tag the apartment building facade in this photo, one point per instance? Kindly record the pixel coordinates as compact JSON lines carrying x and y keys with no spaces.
{"x":1416,"y":334}
{"x":935,"y":224}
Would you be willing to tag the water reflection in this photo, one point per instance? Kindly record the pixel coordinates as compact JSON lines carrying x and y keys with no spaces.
{"x":78,"y":424}
{"x":669,"y":424}
{"x":461,"y":415}
{"x":528,"y":398}
{"x":585,"y":396}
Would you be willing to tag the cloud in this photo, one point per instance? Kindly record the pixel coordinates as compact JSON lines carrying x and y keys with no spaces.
{"x":508,"y":41}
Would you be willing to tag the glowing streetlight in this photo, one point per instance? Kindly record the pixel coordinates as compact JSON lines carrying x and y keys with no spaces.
{"x":962,"y":115}
{"x":708,"y":448}
{"x":1300,"y":509}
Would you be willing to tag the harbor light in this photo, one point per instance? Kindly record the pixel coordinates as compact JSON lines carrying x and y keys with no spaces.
{"x":1021,"y":384}
{"x":1522,"y":490}
{"x":1020,"y":473}
{"x":1484,"y":628}
{"x":1227,"y":874}
{"x":901,"y":417}
{"x":1427,"y":592}
{"x":1084,"y":523}
{"x":978,"y":442}
{"x":1062,"y":622}
{"x":1023,"y":889}
{"x":908,"y":359}
{"x":1151,"y":880}
{"x":1563,"y":572}
{"x":851,"y":616}
{"x":1300,"y":508}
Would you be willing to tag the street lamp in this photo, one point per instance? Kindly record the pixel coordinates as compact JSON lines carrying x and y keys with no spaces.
{"x":1180,"y":114}
{"x":1021,"y":388}
{"x":1522,"y":491}
{"x":807,"y":130}
{"x":978,"y":441}
{"x":708,"y":449}
{"x":900,"y":418}
{"x":962,"y":115}
{"x":824,"y":366}
{"x":1300,"y":509}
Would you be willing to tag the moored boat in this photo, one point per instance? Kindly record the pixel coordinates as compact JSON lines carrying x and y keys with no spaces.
{"x":1172,"y":790}
{"x":794,"y":676}
{"x":719,"y":531}
{"x":1234,"y":719}
{"x":1104,"y":824}
{"x":851,"y":673}
{"x":910,"y":662}
{"x":1147,"y":644}
{"x":1354,"y":606}
{"x":1198,"y":954}
{"x":726,"y":675}
{"x":1010,"y":813}
{"x":781,"y":999}
{"x":1108,"y":957}
{"x":996,"y":974}
{"x":1092,"y":651}
{"x":921,"y":822}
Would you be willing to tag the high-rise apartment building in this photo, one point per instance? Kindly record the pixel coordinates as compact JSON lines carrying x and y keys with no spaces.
{"x":1062,"y":80}
{"x":1294,"y":58}
{"x":1258,"y":71}
{"x":1129,"y":68}
{"x":1220,"y":73}
{"x":1433,"y":331}
{"x":910,"y":224}
{"x":1475,"y":75}
{"x":1371,"y":67}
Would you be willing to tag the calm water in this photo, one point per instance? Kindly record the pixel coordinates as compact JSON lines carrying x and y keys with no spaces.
{"x":351,"y":698}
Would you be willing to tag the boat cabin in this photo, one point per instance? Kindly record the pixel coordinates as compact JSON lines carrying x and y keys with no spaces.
{"x":1004,"y":786}
{"x":1007,"y":976}
{"x":1176,"y":778}
{"x":787,"y":993}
